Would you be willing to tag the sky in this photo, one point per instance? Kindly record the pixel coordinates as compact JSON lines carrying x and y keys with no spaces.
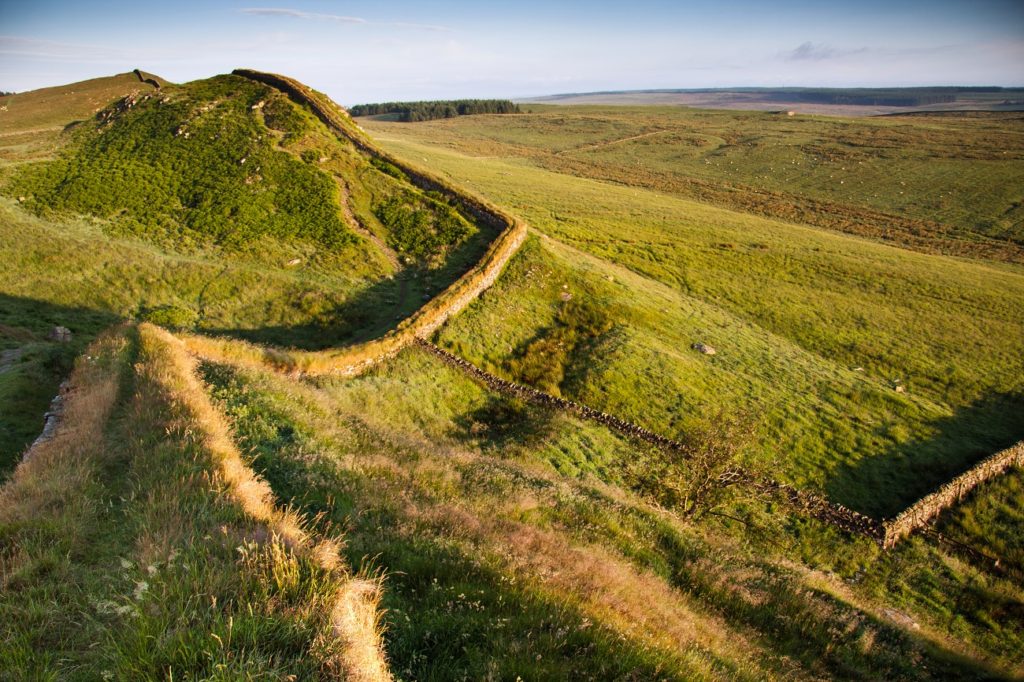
{"x":403,"y":50}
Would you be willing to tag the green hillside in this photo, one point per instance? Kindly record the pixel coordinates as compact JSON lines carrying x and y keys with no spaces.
{"x":814,"y":331}
{"x":944,"y":183}
{"x":219,"y":205}
{"x":262,"y":468}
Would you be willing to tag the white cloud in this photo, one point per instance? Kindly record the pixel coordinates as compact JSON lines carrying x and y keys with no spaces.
{"x":341,"y":19}
{"x":817,"y":52}
{"x":299,"y":14}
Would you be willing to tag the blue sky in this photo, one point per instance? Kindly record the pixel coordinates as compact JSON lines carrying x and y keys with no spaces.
{"x":365,"y":51}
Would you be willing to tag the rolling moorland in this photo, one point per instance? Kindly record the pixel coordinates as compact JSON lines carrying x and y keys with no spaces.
{"x":851,"y":102}
{"x":440,"y":528}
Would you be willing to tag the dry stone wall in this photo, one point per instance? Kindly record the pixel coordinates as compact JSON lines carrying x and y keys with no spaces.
{"x":885,"y":533}
{"x":807,"y":503}
{"x":925,"y":510}
{"x":356,"y":359}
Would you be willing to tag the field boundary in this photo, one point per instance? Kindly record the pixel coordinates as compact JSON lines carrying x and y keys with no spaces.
{"x":887,"y":533}
{"x":925,"y":510}
{"x":354,"y":613}
{"x":808,"y":503}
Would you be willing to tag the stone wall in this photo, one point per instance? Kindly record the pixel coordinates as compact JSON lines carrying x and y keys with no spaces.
{"x":925,"y":510}
{"x":806,"y":503}
{"x":355,"y":359}
{"x":536,"y":397}
{"x":427,"y":319}
{"x":886,"y":533}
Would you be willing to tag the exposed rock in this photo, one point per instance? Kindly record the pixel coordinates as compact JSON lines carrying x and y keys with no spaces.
{"x":565,"y":296}
{"x":293,"y":262}
{"x":900,"y":388}
{"x":51,"y":419}
{"x":703,"y":348}
{"x":59,"y":334}
{"x":901,"y":618}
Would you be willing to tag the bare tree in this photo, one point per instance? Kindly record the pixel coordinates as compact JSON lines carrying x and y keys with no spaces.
{"x":699,"y":478}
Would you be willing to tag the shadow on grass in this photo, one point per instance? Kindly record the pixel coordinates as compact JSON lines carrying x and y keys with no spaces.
{"x":883,"y":486}
{"x":33,"y":366}
{"x":375,"y":310}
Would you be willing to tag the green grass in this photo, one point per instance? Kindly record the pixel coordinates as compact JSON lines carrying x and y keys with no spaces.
{"x":945,"y":183}
{"x":793,"y":312}
{"x":452,"y":515}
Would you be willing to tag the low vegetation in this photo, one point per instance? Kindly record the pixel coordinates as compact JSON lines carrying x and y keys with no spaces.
{"x":136,"y":528}
{"x":873,"y":373}
{"x":525,"y":546}
{"x":369,"y":511}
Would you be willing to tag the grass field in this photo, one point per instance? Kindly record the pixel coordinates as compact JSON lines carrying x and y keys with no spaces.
{"x":814,"y":330}
{"x":948,"y":184}
{"x":133,"y":549}
{"x":510,"y":541}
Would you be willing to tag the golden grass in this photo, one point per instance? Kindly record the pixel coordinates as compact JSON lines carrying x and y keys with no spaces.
{"x":52,"y":467}
{"x":354,"y":616}
{"x":603,"y":585}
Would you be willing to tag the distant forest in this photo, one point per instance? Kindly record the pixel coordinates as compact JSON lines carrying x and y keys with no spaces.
{"x":428,"y":111}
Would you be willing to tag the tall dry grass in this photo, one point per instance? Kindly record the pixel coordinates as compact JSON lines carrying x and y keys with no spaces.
{"x":355,"y":614}
{"x":52,"y":467}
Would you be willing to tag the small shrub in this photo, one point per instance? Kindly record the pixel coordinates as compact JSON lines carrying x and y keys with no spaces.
{"x":172,"y":317}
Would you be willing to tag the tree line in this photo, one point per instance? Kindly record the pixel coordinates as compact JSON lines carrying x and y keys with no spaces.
{"x":430,"y":110}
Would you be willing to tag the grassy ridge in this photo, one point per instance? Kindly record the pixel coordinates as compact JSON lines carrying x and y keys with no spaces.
{"x":948,"y":184}
{"x":220,"y":206}
{"x":156,"y":565}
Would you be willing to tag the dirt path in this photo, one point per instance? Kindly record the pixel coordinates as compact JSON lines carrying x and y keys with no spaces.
{"x":358,"y":227}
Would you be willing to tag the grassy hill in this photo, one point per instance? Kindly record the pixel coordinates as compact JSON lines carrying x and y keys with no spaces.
{"x":219,"y":205}
{"x":137,"y":527}
{"x":814,"y":331}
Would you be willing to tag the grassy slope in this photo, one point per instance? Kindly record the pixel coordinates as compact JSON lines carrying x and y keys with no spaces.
{"x":172,"y":227}
{"x":128,"y":551}
{"x":792,"y":311}
{"x":516,"y":547}
{"x":959,"y":178}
